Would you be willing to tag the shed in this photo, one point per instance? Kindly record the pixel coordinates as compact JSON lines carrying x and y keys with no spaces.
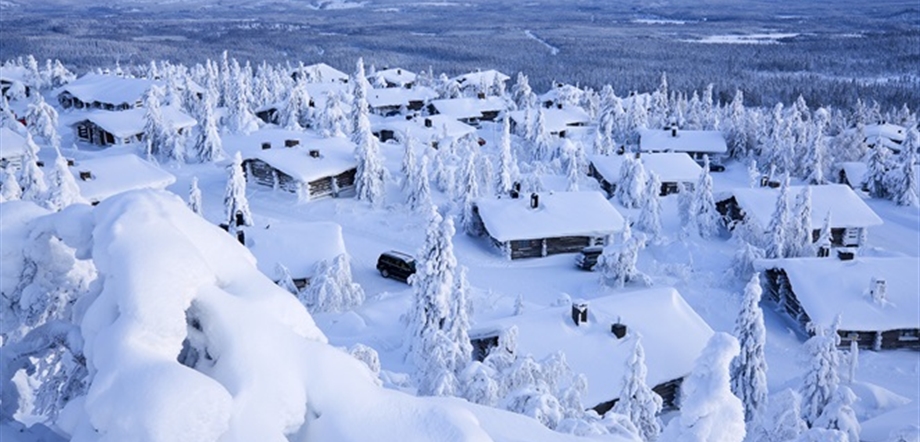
{"x":124,"y":127}
{"x":102,"y":177}
{"x":853,"y":174}
{"x":695,"y":143}
{"x":297,"y":246}
{"x":850,"y":215}
{"x":561,"y":95}
{"x":324,"y":167}
{"x":813,"y":290}
{"x":469,"y":110}
{"x":672,"y":169}
{"x":13,"y":148}
{"x":672,"y":333}
{"x":547,"y":223}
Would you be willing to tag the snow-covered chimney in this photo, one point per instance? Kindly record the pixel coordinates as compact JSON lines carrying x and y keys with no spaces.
{"x":674,"y":132}
{"x":291,"y":143}
{"x":534,"y":200}
{"x":314,"y":153}
{"x":580,"y":313}
{"x":86,"y":175}
{"x":618,"y":329}
{"x":266,"y":145}
{"x":878,"y":289}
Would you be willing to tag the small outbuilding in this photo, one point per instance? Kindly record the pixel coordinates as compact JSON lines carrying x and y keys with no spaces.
{"x":324,"y":167}
{"x":877,"y":300}
{"x":603,"y":339}
{"x":105,"y":128}
{"x":547,"y":223}
{"x":850,"y":215}
{"x":673,"y":169}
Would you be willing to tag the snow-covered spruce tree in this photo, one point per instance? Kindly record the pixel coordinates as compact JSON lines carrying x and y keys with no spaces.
{"x":507,"y":166}
{"x":370,"y":178}
{"x":903,"y":177}
{"x":824,"y":238}
{"x":31,"y":177}
{"x":236,"y":205}
{"x":707,"y":218}
{"x":503,"y":355}
{"x":684,"y":208}
{"x":332,"y":288}
{"x":284,"y":279}
{"x":821,"y":380}
{"x":419,"y":196}
{"x":617,"y":263}
{"x":294,"y":115}
{"x":42,"y":121}
{"x":458,"y":320}
{"x":240,"y":119}
{"x":650,"y":216}
{"x":839,"y":414}
{"x":433,"y":284}
{"x":333,"y":121}
{"x":878,"y":165}
{"x":637,"y":401}
{"x":208,"y":144}
{"x":469,"y":192}
{"x":631,"y":186}
{"x":749,"y":368}
{"x":709,"y":410}
{"x":852,"y":361}
{"x":815,"y":162}
{"x":10,"y":190}
{"x":63,"y":189}
{"x":572,"y":166}
{"x":442,"y":174}
{"x":777,"y":232}
{"x":194,"y":197}
{"x":781,"y":420}
{"x":479,"y":384}
{"x":800,"y":232}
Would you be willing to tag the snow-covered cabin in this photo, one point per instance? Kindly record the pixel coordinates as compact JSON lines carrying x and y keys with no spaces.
{"x":297,"y":246}
{"x":468,"y":110}
{"x":695,"y":143}
{"x":102,"y":177}
{"x":109,"y":92}
{"x":324,"y":167}
{"x":319,"y":94}
{"x":15,"y":77}
{"x":320,"y":73}
{"x":672,"y":333}
{"x":877,"y":299}
{"x":391,"y":101}
{"x":477,"y":79}
{"x":853,"y":174}
{"x":106,"y":128}
{"x":885,"y":134}
{"x":561,"y":95}
{"x":13,"y":148}
{"x":556,"y":120}
{"x":850,"y":215}
{"x":429,"y":130}
{"x":394,"y":77}
{"x":672,"y":169}
{"x":547,"y":223}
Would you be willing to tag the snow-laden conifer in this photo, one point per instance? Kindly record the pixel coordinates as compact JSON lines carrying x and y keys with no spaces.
{"x":749,"y":368}
{"x":63,"y":189}
{"x":506,"y":164}
{"x":637,"y":401}
{"x":332,"y":288}
{"x":781,"y":420}
{"x":419,"y":196}
{"x":800,"y":232}
{"x":284,"y":279}
{"x":236,"y":205}
{"x":208,"y":144}
{"x":31,"y":178}
{"x":839,"y":414}
{"x":878,"y":165}
{"x":194,"y":197}
{"x":650,"y":215}
{"x":630,"y":188}
{"x":821,"y":379}
{"x":777,"y":231}
{"x":706,"y":217}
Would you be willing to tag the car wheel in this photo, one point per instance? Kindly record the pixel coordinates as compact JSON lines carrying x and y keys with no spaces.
{"x":385,"y":273}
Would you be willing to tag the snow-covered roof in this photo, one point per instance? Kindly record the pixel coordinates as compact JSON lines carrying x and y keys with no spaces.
{"x":487,"y":77}
{"x":706,"y":141}
{"x":14,"y":74}
{"x":890,"y":131}
{"x":557,"y":120}
{"x":671,"y":167}
{"x":855,"y":171}
{"x":118,"y":173}
{"x":297,"y":246}
{"x":827,"y":287}
{"x":397,"y":76}
{"x":441,"y":125}
{"x":846,"y":208}
{"x":468,"y":107}
{"x":109,"y":89}
{"x":323,"y":73}
{"x":12,"y":144}
{"x":559,"y":214}
{"x":672,"y":334}
{"x":560,"y":91}
{"x":128,"y":123}
{"x":394,"y":96}
{"x":337,"y":155}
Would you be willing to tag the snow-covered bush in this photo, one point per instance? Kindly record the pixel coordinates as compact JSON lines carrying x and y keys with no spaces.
{"x":332,"y":288}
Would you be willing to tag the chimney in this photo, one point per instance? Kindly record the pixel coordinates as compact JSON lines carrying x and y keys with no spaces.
{"x":534,"y":200}
{"x":846,"y":254}
{"x":241,"y":237}
{"x":314,"y":153}
{"x":674,"y":132}
{"x":618,"y":329}
{"x":481,"y":95}
{"x":266,"y":145}
{"x":579,"y":313}
{"x":291,"y":143}
{"x":398,"y":71}
{"x":558,"y":105}
{"x":70,"y":162}
{"x":86,"y":175}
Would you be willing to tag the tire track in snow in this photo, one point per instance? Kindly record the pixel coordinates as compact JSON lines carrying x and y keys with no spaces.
{"x":552,"y":49}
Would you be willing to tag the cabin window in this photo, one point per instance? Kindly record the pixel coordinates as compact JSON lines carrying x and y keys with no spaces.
{"x":83,"y":132}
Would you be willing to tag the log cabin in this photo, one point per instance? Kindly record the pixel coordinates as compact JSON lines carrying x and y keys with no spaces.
{"x":673,"y":169}
{"x":323,"y":167}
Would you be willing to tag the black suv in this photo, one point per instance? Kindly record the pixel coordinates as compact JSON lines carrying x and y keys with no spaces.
{"x":396,"y":265}
{"x":587,"y":258}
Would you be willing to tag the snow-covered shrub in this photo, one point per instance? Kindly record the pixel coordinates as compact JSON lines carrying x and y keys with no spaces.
{"x":332,"y":288}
